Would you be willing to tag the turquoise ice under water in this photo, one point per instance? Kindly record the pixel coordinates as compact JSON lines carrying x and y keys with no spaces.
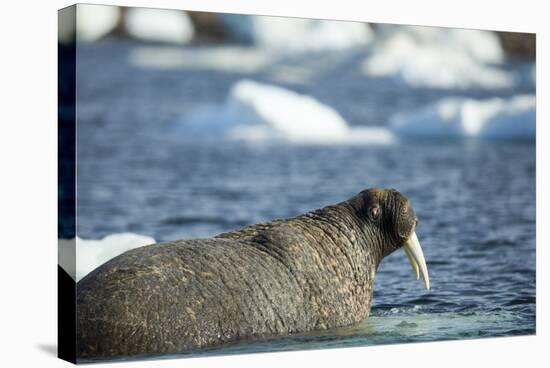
{"x":389,"y":329}
{"x":138,"y":172}
{"x":393,"y":327}
{"x":396,"y":327}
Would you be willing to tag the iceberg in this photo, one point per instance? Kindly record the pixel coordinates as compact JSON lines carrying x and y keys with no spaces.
{"x":296,"y":34}
{"x":159,"y":25}
{"x":256,"y":111}
{"x":438,"y":58}
{"x":91,"y":254}
{"x":457,"y":118}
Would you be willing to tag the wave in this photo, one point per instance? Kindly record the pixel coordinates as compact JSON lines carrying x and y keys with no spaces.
{"x":438,"y":57}
{"x":451,"y":118}
{"x":255,"y":111}
{"x":92,"y":253}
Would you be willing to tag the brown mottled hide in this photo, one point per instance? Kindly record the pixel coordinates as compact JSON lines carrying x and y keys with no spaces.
{"x":315,"y":271}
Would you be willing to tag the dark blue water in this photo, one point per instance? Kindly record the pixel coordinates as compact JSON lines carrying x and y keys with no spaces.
{"x":137,"y":172}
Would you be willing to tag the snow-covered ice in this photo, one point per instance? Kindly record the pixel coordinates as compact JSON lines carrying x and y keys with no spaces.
{"x":95,"y":21}
{"x":257,"y":111}
{"x":295,"y":34}
{"x":91,"y":253}
{"x":450,"y":118}
{"x":438,"y":57}
{"x":159,"y":25}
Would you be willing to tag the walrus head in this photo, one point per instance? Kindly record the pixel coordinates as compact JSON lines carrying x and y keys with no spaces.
{"x":392,"y":218}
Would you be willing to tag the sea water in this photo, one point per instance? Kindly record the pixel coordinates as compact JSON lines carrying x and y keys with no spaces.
{"x":139,"y":171}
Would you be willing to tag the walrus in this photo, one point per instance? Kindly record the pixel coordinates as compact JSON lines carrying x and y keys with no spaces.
{"x":311,"y":272}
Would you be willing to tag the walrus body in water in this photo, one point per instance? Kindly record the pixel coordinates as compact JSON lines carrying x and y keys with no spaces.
{"x":315,"y":271}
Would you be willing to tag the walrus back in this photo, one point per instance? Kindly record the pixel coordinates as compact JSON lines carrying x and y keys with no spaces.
{"x":285,"y":276}
{"x":184,"y":295}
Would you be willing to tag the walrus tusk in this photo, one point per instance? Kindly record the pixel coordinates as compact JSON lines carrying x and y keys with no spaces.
{"x":413,"y":262}
{"x":416,"y":257}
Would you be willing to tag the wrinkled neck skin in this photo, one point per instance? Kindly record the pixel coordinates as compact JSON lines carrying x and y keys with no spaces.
{"x":334,"y":254}
{"x":350,"y":233}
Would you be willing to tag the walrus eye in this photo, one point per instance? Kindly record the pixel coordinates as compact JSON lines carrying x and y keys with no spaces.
{"x":375,"y":212}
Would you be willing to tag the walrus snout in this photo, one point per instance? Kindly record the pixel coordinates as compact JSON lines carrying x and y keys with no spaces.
{"x":406,"y":226}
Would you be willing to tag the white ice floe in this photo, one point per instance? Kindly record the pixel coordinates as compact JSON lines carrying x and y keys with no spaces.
{"x":295,"y":34}
{"x":90,"y":254}
{"x":159,"y":25}
{"x":497,"y":118}
{"x":294,"y":115}
{"x":95,"y":21}
{"x":438,"y":57}
{"x":482,"y":46}
{"x":256,"y":111}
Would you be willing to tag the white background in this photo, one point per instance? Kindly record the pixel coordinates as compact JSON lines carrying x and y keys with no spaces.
{"x":28,"y":181}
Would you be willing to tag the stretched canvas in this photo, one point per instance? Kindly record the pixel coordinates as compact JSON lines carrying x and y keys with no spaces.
{"x":242,"y":183}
